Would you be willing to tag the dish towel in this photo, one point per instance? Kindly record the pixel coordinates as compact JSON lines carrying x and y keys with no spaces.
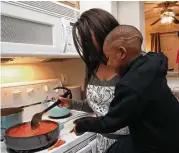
{"x":93,"y":146}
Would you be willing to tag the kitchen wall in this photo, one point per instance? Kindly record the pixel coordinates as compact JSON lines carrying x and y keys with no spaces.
{"x":110,"y":6}
{"x":74,"y":68}
{"x":133,"y":14}
{"x":169,"y":42}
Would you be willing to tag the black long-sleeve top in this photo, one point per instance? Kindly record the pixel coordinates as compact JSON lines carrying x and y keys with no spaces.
{"x":144,"y":102}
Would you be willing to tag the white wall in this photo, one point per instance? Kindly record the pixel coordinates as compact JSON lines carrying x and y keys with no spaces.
{"x":132,"y":13}
{"x":74,"y":68}
{"x":110,"y":6}
{"x":126,"y":12}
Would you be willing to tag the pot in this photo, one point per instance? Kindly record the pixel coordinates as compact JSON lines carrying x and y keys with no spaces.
{"x":58,"y":112}
{"x":10,"y":117}
{"x":31,"y":142}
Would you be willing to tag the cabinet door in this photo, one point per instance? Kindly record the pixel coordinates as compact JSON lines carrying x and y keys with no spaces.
{"x":28,"y":32}
{"x":75,"y":4}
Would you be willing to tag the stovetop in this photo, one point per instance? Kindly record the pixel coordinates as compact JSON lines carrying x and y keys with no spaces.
{"x":73,"y":142}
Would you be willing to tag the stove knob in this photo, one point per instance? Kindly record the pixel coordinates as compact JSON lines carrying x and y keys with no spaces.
{"x":56,"y":90}
{"x":45,"y":88}
{"x":16,"y":92}
{"x":29,"y":90}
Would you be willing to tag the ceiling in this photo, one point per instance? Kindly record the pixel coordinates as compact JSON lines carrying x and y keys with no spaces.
{"x":151,"y":12}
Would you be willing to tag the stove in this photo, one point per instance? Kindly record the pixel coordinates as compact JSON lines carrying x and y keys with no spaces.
{"x":29,"y":151}
{"x":73,"y":143}
{"x":32,"y":92}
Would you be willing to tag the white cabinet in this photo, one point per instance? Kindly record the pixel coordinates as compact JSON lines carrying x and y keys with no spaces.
{"x":35,"y":28}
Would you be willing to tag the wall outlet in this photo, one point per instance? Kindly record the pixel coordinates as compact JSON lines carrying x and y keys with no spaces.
{"x":64,"y":79}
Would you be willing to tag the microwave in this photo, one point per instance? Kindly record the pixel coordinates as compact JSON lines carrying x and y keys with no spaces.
{"x":37,"y":28}
{"x":69,"y":47}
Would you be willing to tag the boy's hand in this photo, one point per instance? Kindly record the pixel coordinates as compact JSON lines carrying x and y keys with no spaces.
{"x":78,"y":121}
{"x":74,"y":130}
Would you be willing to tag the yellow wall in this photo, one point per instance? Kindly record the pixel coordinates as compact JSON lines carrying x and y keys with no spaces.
{"x":74,"y":68}
{"x":169,"y":42}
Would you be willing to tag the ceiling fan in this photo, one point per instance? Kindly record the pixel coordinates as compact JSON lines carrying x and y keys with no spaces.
{"x":167,"y":14}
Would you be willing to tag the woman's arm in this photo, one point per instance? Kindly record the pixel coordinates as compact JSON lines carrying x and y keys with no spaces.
{"x":81,"y":105}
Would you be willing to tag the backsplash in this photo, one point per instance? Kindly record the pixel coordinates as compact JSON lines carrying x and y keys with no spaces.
{"x":73,"y":68}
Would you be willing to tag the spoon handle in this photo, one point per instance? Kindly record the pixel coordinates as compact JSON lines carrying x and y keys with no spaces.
{"x":53,"y":105}
{"x":57,"y":102}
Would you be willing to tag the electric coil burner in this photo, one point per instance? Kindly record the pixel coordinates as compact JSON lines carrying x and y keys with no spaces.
{"x":30,"y":151}
{"x":61,"y":117}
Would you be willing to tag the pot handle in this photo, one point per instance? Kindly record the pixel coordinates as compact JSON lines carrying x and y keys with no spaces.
{"x":2,"y":137}
{"x":61,"y":127}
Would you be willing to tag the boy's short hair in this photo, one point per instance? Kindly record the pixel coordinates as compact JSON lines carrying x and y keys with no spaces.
{"x":124,"y":34}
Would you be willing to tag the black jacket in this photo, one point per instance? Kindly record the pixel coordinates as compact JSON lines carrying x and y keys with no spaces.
{"x":144,"y":102}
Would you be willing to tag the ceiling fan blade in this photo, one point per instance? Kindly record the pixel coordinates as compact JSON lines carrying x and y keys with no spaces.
{"x":173,"y":5}
{"x":156,"y":21}
{"x":158,"y":7}
{"x":177,"y":14}
{"x":149,"y":2}
{"x":176,"y":21}
{"x":151,"y":11}
{"x":172,"y":2}
{"x":167,"y":4}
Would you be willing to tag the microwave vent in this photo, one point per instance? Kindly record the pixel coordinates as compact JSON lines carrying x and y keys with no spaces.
{"x":49,"y":7}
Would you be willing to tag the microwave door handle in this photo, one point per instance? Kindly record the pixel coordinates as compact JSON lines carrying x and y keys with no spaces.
{"x":65,"y":37}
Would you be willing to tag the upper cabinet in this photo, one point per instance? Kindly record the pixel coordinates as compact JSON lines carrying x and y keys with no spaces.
{"x":37,"y":28}
{"x":74,"y":4}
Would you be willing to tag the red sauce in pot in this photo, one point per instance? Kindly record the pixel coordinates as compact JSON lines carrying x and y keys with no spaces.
{"x":25,"y":130}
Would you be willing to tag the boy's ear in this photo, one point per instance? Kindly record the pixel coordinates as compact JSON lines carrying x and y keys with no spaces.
{"x":123,"y":52}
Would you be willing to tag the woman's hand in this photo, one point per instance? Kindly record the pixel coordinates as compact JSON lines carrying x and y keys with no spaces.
{"x":65,"y":102}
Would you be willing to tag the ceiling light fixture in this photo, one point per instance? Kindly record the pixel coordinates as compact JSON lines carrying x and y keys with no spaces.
{"x":167,"y":17}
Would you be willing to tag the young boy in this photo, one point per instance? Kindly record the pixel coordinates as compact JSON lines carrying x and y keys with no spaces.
{"x":143,"y":101}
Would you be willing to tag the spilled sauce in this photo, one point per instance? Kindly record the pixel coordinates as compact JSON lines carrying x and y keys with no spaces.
{"x":58,"y":144}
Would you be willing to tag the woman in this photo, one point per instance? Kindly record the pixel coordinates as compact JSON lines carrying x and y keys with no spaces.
{"x":89,"y":33}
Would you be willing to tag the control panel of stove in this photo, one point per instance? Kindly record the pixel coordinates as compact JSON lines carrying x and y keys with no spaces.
{"x":81,"y":145}
{"x":29,"y":92}
{"x":20,"y":94}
